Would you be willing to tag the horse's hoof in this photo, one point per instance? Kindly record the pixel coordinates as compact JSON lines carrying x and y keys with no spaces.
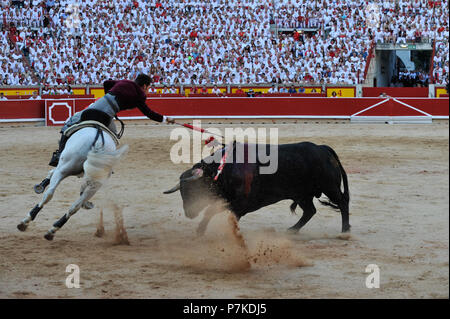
{"x":292,"y":230}
{"x":88,"y":205}
{"x":22,"y":227}
{"x":49,"y":236}
{"x":100,"y":232}
{"x":200,"y":233}
{"x":38,"y":189}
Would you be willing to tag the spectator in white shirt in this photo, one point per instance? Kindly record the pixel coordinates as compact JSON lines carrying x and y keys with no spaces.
{"x":173,"y":90}
{"x":273,"y":89}
{"x":152,"y":90}
{"x":35,"y":96}
{"x":165,"y":90}
{"x":216,"y":90}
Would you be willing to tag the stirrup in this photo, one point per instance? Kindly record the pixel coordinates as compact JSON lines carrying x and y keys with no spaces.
{"x":55,"y":159}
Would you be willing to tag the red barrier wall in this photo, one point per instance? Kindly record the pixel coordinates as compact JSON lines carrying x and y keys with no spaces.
{"x":82,"y":104}
{"x":261,"y":106}
{"x":289,"y":107}
{"x":57,"y":111}
{"x":245,"y":107}
{"x":395,"y":92}
{"x":436,"y":107}
{"x":406,"y":107}
{"x":22,"y":109}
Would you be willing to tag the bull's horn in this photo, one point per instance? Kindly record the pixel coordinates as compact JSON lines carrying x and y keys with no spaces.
{"x":173,"y":189}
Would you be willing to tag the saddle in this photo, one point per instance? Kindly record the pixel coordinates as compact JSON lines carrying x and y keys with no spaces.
{"x":95,"y":124}
{"x":95,"y":115}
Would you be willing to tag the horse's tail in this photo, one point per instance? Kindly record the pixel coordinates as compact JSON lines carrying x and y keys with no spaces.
{"x":99,"y":164}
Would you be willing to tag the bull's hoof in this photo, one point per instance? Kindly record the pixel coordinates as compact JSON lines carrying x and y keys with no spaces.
{"x":49,"y":236}
{"x":22,"y":227}
{"x":346,"y":229}
{"x":88,"y":205}
{"x":38,"y":189}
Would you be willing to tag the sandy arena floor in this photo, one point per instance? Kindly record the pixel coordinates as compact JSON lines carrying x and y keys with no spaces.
{"x":399,"y":212}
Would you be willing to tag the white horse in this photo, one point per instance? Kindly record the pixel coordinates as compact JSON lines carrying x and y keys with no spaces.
{"x":89,"y":152}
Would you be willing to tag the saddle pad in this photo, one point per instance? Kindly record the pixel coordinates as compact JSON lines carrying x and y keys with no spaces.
{"x":76,"y":127}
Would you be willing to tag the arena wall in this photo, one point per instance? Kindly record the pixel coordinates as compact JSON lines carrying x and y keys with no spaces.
{"x":236,"y":107}
{"x":396,"y":91}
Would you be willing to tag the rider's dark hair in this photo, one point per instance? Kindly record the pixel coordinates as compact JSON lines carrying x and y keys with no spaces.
{"x":143,"y":79}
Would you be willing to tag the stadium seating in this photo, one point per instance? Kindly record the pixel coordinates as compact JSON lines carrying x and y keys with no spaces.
{"x":198,"y":42}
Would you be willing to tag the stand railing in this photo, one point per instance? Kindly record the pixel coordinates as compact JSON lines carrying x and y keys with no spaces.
{"x":369,"y":59}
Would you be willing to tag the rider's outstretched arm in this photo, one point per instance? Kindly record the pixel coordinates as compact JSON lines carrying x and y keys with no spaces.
{"x":153,"y":115}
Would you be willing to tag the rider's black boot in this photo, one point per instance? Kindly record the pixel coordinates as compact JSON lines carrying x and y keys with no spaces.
{"x":55,"y":157}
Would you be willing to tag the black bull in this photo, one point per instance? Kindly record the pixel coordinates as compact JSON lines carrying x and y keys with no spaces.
{"x":305,"y":170}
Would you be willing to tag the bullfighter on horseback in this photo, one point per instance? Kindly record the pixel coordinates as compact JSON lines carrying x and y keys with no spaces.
{"x":119,"y":95}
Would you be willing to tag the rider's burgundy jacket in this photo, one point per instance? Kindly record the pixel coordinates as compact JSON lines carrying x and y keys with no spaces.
{"x":129,"y":95}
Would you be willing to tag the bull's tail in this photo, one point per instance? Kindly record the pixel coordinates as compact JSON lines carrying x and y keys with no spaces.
{"x":346,"y":194}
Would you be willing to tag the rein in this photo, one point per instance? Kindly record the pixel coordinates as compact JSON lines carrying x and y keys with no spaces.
{"x":122,"y":127}
{"x":99,"y":133}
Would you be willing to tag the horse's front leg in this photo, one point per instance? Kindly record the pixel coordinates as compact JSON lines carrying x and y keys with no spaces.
{"x":90,"y":189}
{"x":56,"y":177}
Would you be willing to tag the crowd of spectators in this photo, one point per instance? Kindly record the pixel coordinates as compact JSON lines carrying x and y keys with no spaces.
{"x":12,"y":68}
{"x":406,"y":21}
{"x":57,"y":89}
{"x":440,"y":63}
{"x":387,"y":21}
{"x":210,"y":41}
{"x":410,"y":79}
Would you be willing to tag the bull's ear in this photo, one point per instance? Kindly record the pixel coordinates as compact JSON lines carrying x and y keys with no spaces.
{"x":198,"y":172}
